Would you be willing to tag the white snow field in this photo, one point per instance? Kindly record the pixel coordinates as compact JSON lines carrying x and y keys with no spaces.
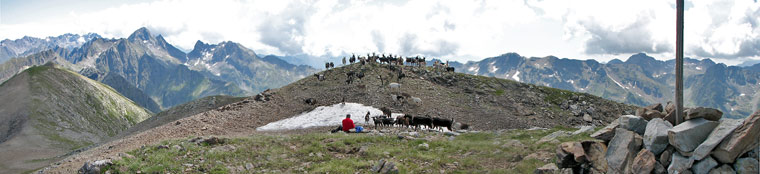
{"x":325,"y":116}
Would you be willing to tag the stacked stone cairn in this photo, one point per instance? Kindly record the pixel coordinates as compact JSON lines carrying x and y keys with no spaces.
{"x":651,"y":142}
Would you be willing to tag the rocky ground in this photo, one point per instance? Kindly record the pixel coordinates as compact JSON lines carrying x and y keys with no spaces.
{"x":651,"y":142}
{"x":483,"y":102}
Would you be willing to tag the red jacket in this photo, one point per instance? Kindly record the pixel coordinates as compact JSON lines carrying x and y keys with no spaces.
{"x":348,"y":124}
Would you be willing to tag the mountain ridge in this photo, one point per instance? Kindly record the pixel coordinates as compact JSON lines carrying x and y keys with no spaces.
{"x":56,"y":111}
{"x":641,"y":80}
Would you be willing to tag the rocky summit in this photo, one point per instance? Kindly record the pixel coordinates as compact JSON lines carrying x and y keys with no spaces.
{"x":702,"y":144}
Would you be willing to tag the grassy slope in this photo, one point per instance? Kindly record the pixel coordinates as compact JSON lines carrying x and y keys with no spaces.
{"x":484,"y":152}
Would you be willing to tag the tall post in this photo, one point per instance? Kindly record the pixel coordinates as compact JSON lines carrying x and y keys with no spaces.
{"x":679,"y":61}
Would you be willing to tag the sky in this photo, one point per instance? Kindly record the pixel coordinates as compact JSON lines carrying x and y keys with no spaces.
{"x":726,"y":31}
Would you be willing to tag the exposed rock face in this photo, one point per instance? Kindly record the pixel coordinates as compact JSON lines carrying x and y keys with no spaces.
{"x":702,"y":112}
{"x":746,"y":166}
{"x":622,"y":149}
{"x":725,"y":127}
{"x":740,"y":141}
{"x":633,"y":123}
{"x":688,"y":135}
{"x":704,"y":166}
{"x":656,"y":135}
{"x":644,"y":162}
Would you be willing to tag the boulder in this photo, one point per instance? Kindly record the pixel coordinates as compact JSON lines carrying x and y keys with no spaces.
{"x":633,"y":123}
{"x":587,"y":118}
{"x":595,"y":152}
{"x":702,"y":112}
{"x":670,"y":117}
{"x":656,"y":135}
{"x":666,"y":156}
{"x":659,"y":169}
{"x":621,"y":150}
{"x":670,"y":107}
{"x":553,"y":136}
{"x":679,"y":164}
{"x":643,"y":163}
{"x":724,"y":169}
{"x":704,"y":166}
{"x":550,"y":168}
{"x":651,"y":114}
{"x":386,"y":167}
{"x":655,"y":107}
{"x":607,"y":132}
{"x":740,"y":141}
{"x":570,"y":155}
{"x":584,"y":129}
{"x":689,"y":134}
{"x":746,"y":166}
{"x":725,"y":127}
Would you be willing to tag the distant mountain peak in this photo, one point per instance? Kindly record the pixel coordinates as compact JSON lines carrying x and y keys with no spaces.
{"x":140,"y":34}
{"x":200,"y":45}
{"x":640,"y":58}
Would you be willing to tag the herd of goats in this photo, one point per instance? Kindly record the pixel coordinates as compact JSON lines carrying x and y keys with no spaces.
{"x":391,"y":60}
{"x":408,"y":121}
{"x":386,"y":120}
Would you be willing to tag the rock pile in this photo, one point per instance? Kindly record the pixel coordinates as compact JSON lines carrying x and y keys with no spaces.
{"x":650,"y":142}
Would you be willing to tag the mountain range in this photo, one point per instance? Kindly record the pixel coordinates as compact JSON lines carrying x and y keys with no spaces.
{"x":155,"y":74}
{"x":30,"y":45}
{"x":641,"y":80}
{"x":49,"y":112}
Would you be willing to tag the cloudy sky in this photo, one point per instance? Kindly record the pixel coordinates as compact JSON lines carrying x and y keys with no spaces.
{"x":725,"y":30}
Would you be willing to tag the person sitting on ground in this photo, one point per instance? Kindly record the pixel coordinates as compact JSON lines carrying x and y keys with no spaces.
{"x":348,"y":124}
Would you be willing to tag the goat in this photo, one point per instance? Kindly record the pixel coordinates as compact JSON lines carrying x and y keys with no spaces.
{"x":386,"y":111}
{"x":442,"y":122}
{"x":422,"y":121}
{"x":311,"y":101}
{"x":366,"y":117}
{"x":360,"y":75}
{"x":449,"y":69}
{"x":377,"y":120}
{"x":388,"y":121}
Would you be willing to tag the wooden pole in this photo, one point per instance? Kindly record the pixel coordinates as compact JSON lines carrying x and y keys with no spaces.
{"x":679,"y":61}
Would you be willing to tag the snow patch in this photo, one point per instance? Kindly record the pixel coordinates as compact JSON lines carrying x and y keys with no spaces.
{"x":324,"y":116}
{"x":472,"y":69}
{"x":81,"y":40}
{"x":570,"y":81}
{"x":699,"y":68}
{"x":515,"y":76}
{"x":616,"y":82}
{"x":742,"y":95}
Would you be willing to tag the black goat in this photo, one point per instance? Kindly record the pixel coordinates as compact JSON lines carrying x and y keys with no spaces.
{"x":449,"y":69}
{"x":442,"y":122}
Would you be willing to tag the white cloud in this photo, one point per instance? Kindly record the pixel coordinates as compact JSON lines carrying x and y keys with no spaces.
{"x":454,"y":30}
